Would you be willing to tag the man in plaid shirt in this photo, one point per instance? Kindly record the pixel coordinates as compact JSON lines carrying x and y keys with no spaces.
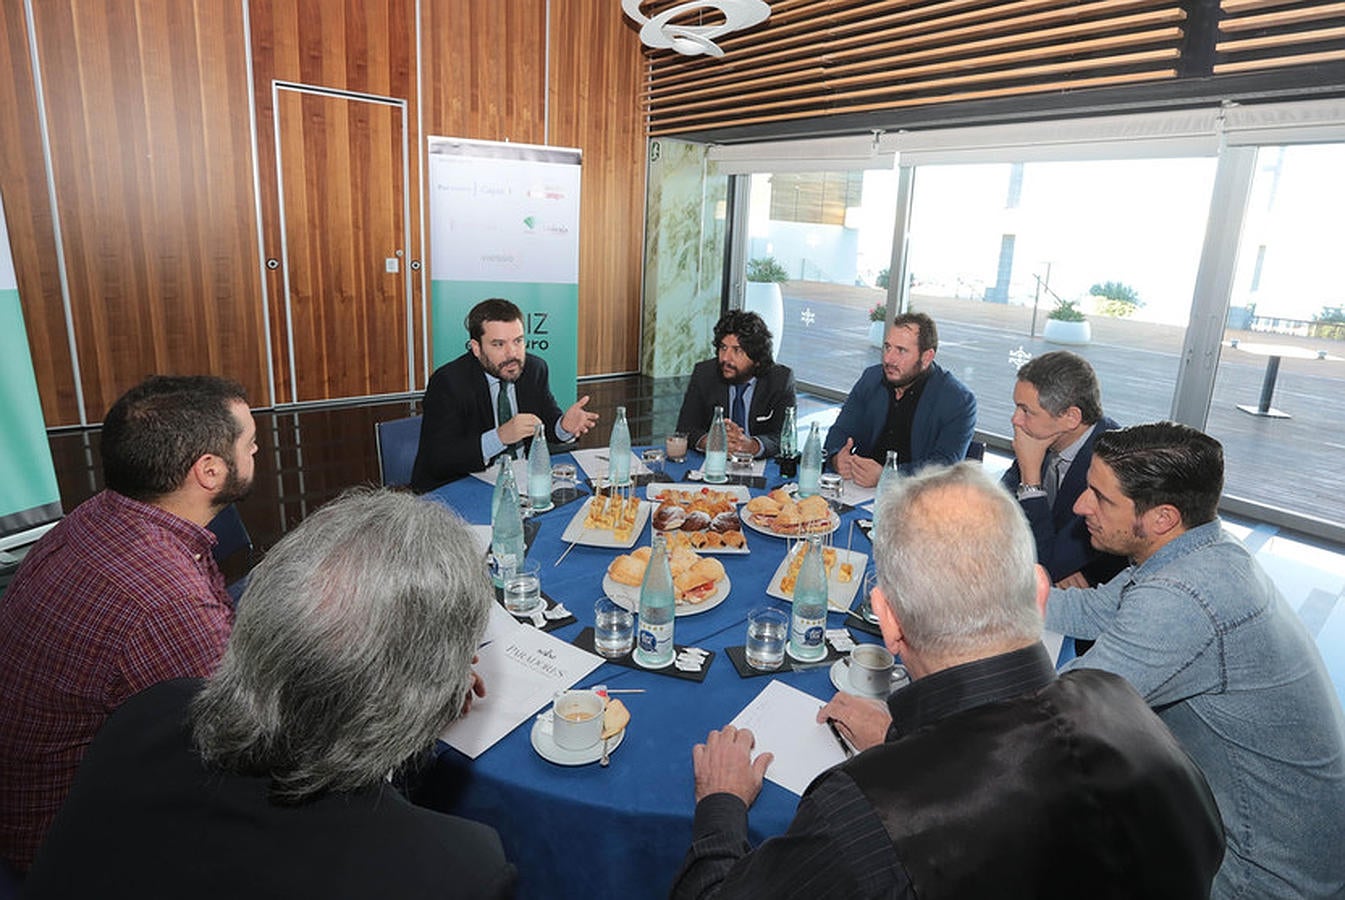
{"x":122,"y":594}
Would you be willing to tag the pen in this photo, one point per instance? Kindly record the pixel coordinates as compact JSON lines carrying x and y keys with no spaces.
{"x":836,"y":732}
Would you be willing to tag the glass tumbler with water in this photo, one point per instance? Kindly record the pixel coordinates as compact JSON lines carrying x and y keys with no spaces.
{"x":523,"y":589}
{"x":767,"y":630}
{"x":613,"y":628}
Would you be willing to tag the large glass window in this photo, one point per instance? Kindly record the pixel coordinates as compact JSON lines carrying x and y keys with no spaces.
{"x":1003,"y":256}
{"x":1277,"y":404}
{"x":817,"y":252}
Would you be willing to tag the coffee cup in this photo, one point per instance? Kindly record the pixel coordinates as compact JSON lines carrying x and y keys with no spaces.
{"x":576,"y":720}
{"x":871,"y":669}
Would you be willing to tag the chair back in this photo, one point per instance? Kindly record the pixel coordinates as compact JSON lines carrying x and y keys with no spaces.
{"x":231,"y":537}
{"x":397,"y":440}
{"x":976,"y":451}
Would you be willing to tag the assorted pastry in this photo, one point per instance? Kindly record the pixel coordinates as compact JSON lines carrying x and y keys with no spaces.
{"x":613,"y":511}
{"x":710,"y":517}
{"x":845,"y":573}
{"x":695,"y":578}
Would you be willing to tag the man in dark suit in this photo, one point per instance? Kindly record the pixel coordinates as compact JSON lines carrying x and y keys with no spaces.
{"x":987,"y":775}
{"x":744,"y":379}
{"x":1057,"y":417}
{"x":352,"y":652}
{"x":488,"y":401}
{"x":909,"y":404}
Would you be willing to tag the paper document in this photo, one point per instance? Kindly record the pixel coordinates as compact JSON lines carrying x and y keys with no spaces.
{"x":520,"y":467}
{"x":523,"y":669}
{"x":854,"y":495}
{"x":783,"y":720}
{"x":594,"y":463}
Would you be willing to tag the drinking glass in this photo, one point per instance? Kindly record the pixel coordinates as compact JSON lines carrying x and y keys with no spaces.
{"x":676,"y":446}
{"x":523,"y":589}
{"x":653,"y":460}
{"x":767,"y":630}
{"x":613,"y":628}
{"x":564,"y":486}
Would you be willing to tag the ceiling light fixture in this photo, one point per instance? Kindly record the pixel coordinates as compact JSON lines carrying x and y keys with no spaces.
{"x":660,"y":33}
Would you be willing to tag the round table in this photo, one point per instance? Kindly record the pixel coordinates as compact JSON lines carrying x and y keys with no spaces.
{"x":621,"y":831}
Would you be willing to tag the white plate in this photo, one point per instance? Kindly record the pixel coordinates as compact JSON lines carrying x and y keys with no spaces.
{"x":748,"y":520}
{"x":739,"y":491}
{"x":840,"y":594}
{"x":629,"y":596}
{"x":546,"y":747}
{"x":576,"y":533}
{"x":840,"y":677}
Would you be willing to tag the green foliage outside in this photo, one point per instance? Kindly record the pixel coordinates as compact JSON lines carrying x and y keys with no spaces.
{"x":767,"y":269}
{"x":878,"y":313}
{"x":1331,"y":315}
{"x":1116,"y":299}
{"x":1329,"y":324}
{"x":1066,"y":311}
{"x":884,"y":276}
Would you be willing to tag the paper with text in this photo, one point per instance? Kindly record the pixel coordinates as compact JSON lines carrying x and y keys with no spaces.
{"x":783,"y":720}
{"x":523,"y":668}
{"x":594,"y":463}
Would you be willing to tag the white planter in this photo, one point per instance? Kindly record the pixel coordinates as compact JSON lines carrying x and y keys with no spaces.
{"x":877,"y":331}
{"x":764,"y":299}
{"x":1058,"y":332}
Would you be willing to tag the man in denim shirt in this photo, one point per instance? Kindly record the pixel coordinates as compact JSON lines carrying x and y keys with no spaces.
{"x":1200,"y":631}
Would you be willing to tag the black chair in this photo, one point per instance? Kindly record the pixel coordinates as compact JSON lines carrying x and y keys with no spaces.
{"x":397,"y":440}
{"x":231,"y":537}
{"x":976,"y":451}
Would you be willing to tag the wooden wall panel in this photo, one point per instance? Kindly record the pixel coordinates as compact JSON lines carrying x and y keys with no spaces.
{"x":484,"y":69}
{"x":362,"y":47}
{"x":153,"y":175}
{"x":23,"y":184}
{"x":596,"y":72}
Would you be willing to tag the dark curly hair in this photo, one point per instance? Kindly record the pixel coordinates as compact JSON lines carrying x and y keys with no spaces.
{"x":752,"y":333}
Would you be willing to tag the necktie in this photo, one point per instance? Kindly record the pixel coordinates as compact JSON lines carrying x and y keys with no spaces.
{"x":1053,"y":472}
{"x":506,"y":412}
{"x":739,"y":410}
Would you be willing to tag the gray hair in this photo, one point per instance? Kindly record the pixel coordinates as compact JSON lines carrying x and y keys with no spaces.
{"x":352,"y":648}
{"x":956,"y":561}
{"x":1062,"y":380}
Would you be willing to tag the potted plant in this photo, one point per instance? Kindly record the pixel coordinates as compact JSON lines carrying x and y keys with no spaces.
{"x":877,"y":324}
{"x":763,"y":295}
{"x":1065,"y":324}
{"x":1116,"y":299}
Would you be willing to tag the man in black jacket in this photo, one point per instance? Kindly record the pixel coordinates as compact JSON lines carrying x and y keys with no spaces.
{"x":753,"y":389}
{"x":489,"y":400}
{"x":986,"y":776}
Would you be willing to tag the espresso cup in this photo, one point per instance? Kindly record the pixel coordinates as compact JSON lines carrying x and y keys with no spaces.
{"x":871,"y":669}
{"x":576,"y":720}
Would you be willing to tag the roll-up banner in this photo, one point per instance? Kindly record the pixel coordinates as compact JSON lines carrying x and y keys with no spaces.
{"x":29,"y":497}
{"x":504,"y":222}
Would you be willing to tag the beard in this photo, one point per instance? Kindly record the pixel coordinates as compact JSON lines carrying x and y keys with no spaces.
{"x":234,"y":488}
{"x":498,"y":370}
{"x":733,"y":375}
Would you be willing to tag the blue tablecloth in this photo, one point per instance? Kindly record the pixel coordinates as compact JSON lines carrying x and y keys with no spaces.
{"x":622,"y":831}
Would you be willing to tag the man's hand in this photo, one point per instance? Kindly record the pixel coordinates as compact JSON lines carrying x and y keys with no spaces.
{"x":519,"y":427}
{"x":478,"y":690}
{"x":863,"y":722}
{"x":1030,"y":453}
{"x":739,"y":441}
{"x":724,"y":765}
{"x":844,"y":462}
{"x":1073,"y":580}
{"x":578,"y":420}
{"x":864,"y":471}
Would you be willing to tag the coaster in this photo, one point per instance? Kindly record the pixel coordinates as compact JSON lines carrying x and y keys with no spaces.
{"x":550,"y":618}
{"x":738,"y":656}
{"x":585,"y":642}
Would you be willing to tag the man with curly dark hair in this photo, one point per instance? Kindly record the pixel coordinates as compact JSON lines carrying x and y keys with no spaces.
{"x":744,"y":379}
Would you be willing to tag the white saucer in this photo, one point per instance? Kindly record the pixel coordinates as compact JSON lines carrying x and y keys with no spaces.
{"x":840,"y":677}
{"x":546,"y":748}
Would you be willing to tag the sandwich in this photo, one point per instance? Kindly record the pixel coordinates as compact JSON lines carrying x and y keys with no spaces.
{"x":698,"y":582}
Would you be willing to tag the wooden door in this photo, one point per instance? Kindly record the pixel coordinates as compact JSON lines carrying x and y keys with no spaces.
{"x":343,"y":165}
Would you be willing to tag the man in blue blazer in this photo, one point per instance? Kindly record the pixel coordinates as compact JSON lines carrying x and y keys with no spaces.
{"x":743,"y":364}
{"x":1057,"y":417}
{"x":467,"y":424}
{"x":908,"y":404}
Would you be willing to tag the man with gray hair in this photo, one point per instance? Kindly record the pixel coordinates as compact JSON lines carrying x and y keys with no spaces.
{"x":987,"y":774}
{"x":1056,"y":419}
{"x":351,"y":652}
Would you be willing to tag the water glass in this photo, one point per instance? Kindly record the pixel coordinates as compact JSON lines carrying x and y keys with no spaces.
{"x":564,"y":486}
{"x":870,"y":581}
{"x":613,"y":628}
{"x":831,"y":487}
{"x":676,"y":446}
{"x":653,"y":460}
{"x":740,"y":462}
{"x":767,"y":630}
{"x":523,"y":589}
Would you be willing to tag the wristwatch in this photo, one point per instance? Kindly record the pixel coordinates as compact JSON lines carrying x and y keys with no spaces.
{"x":1030,"y":490}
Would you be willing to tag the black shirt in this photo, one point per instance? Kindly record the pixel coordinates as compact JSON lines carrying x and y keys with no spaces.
{"x":896,"y":433}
